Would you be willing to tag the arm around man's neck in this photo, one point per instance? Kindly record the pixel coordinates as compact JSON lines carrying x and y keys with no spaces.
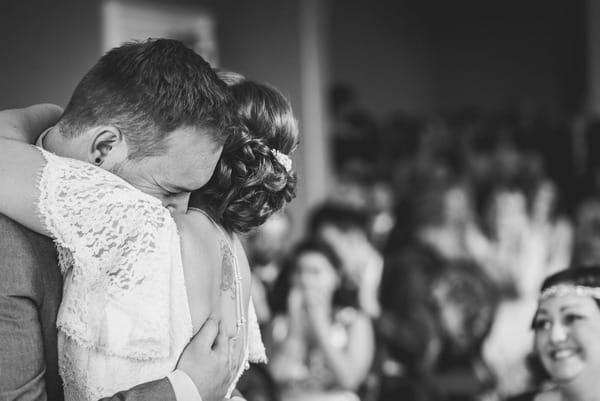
{"x":25,"y":125}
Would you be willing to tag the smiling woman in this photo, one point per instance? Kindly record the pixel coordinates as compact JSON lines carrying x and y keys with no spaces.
{"x":567,"y":335}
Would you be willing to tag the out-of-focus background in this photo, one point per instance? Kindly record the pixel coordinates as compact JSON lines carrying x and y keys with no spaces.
{"x":449,"y":156}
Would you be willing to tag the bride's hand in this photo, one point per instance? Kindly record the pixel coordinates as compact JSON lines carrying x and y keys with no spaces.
{"x":26,"y":124}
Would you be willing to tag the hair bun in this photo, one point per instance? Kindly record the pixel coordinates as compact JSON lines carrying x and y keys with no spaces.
{"x":254,"y":177}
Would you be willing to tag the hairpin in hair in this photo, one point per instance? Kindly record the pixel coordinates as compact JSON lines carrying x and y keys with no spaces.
{"x":562,"y":290}
{"x":283,"y":159}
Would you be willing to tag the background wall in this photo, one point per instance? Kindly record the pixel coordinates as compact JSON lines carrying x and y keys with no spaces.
{"x":419,"y":56}
{"x":424,"y":56}
{"x":384,"y":50}
{"x":45,"y":48}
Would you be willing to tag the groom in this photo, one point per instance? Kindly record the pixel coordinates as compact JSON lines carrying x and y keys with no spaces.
{"x":155,"y":114}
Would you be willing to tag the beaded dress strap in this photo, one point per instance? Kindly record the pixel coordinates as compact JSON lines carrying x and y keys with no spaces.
{"x":240,"y":315}
{"x":240,"y":318}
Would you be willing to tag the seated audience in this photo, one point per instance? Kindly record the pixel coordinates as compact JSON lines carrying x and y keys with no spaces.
{"x":345,"y":229}
{"x":435,"y":318}
{"x":265,"y":247}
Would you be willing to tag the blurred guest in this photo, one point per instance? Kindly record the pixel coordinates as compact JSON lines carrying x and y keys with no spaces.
{"x":374,"y":195}
{"x":531,"y":240}
{"x":509,"y":341}
{"x":566,"y":327}
{"x":381,"y":207}
{"x":324,"y":342}
{"x":587,"y":233}
{"x":448,"y":223}
{"x":355,"y":131}
{"x":265,"y":247}
{"x":350,"y":188}
{"x":553,"y":229}
{"x":346,"y":230}
{"x":433,"y":326}
{"x":407,"y":326}
{"x":509,"y":229}
{"x":507,"y":158}
{"x":465,"y":302}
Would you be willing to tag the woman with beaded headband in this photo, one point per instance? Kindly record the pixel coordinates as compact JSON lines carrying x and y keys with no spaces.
{"x":566,"y":327}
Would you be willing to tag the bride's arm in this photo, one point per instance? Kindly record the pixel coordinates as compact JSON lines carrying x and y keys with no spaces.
{"x":20,"y":164}
{"x":25,"y":125}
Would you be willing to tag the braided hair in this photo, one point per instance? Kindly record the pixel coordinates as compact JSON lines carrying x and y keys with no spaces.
{"x":251,"y":182}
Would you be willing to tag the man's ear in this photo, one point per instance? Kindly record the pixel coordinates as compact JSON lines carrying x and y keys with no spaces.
{"x":108,"y":146}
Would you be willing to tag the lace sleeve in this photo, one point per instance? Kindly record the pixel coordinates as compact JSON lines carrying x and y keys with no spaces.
{"x":115,"y":248}
{"x":256,"y":348}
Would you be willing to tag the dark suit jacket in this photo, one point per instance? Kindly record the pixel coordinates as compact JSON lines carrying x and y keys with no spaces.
{"x":30,"y":293}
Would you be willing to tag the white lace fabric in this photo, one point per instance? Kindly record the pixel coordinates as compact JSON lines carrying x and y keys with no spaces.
{"x":256,"y":347}
{"x":124,"y":318}
{"x":115,"y":241}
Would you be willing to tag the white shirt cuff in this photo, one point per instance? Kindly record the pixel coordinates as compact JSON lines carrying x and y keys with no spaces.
{"x":183,"y":386}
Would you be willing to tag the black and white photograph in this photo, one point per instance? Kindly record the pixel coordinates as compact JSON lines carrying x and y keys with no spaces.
{"x":300,"y":200}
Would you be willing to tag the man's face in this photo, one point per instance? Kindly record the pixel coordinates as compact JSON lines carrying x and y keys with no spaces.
{"x":187,"y":164}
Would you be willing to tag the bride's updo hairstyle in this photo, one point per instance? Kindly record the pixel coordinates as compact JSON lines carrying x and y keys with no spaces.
{"x":254,"y":177}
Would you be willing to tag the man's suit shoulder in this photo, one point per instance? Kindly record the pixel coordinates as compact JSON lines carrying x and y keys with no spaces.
{"x":30,"y":290}
{"x":22,"y":254}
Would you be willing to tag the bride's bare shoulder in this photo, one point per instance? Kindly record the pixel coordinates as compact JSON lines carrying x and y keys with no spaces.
{"x":198,"y":227}
{"x":201,"y":258}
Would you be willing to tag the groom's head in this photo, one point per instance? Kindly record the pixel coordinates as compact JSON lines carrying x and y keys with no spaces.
{"x":153,"y":112}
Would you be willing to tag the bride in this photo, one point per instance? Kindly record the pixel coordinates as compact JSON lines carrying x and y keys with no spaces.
{"x":126,"y":313}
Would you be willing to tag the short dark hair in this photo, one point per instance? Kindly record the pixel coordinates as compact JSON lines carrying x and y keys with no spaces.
{"x":250,"y":183}
{"x":314,"y":245}
{"x":588,"y":276}
{"x":339,"y":215}
{"x":149,"y":89}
